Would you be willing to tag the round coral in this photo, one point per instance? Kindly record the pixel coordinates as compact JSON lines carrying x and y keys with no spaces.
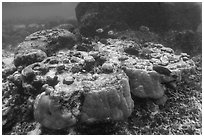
{"x":50,"y":115}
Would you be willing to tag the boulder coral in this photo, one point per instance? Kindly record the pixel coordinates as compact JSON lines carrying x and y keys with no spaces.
{"x":29,"y":56}
{"x":49,"y":114}
{"x":109,"y":100}
{"x":86,"y":101}
{"x":90,"y":86}
{"x":41,"y":44}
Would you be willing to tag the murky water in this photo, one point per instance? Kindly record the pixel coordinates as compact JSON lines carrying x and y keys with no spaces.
{"x":33,"y":10}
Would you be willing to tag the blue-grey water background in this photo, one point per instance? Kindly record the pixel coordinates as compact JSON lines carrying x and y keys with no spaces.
{"x":37,"y":10}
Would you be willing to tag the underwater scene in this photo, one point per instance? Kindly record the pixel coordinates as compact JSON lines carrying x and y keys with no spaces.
{"x":101,"y":68}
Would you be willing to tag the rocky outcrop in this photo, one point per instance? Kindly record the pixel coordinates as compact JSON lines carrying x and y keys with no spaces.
{"x":41,"y":44}
{"x":88,"y":97}
{"x":85,"y":100}
{"x":28,"y":56}
{"x":89,"y":87}
{"x":120,"y":16}
{"x":72,"y":86}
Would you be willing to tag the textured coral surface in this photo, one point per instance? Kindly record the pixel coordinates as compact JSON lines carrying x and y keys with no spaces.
{"x":111,"y":86}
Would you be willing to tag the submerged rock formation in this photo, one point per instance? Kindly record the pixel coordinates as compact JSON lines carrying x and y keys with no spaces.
{"x":85,"y":100}
{"x":41,"y":44}
{"x":85,"y":97}
{"x":72,"y":86}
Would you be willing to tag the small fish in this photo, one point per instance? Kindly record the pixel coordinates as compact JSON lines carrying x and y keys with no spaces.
{"x":100,"y":30}
{"x":162,"y":70}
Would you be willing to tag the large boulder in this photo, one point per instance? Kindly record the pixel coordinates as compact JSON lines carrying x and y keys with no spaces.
{"x":84,"y":100}
{"x":157,"y":16}
{"x":41,"y":44}
{"x":67,"y":95}
{"x":109,"y":99}
{"x":29,"y":56}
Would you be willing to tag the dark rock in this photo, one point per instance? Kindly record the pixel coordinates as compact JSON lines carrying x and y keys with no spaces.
{"x":157,"y":16}
{"x":41,"y":44}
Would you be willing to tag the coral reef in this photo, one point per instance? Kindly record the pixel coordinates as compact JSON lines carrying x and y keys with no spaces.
{"x":59,"y":82}
{"x":87,"y":97}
